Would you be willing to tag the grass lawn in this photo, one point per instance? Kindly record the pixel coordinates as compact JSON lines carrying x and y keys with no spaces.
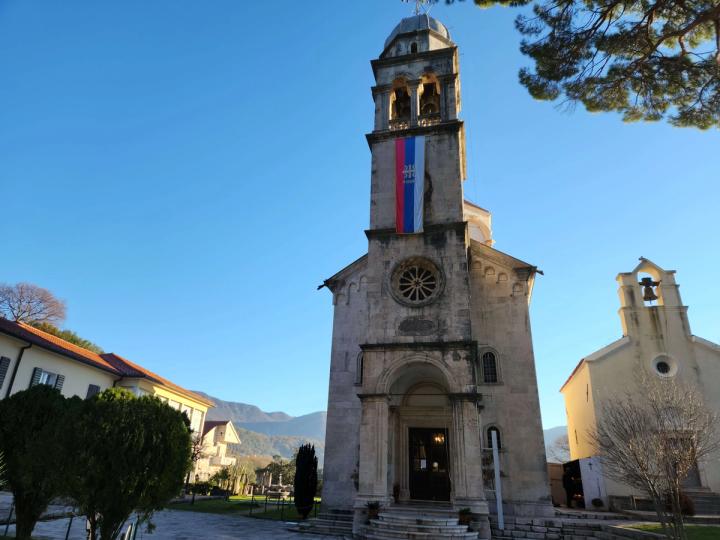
{"x":216,"y":506}
{"x":694,"y":532}
{"x":242,"y":504}
{"x":286,"y":513}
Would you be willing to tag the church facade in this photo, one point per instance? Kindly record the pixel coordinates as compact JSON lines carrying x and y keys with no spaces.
{"x":656,"y":345}
{"x":431,"y":349}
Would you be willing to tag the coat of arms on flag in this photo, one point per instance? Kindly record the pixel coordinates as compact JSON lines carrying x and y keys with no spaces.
{"x":409,"y":184}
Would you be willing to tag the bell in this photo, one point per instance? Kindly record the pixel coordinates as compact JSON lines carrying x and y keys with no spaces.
{"x":648,"y":292}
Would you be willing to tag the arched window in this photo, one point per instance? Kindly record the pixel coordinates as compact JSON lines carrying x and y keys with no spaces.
{"x":413,"y":48}
{"x":489,"y":368}
{"x":489,"y":437}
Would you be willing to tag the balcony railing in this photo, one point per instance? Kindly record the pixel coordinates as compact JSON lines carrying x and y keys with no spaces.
{"x":223,"y":461}
{"x":429,"y":119}
{"x":399,"y":123}
{"x":423,"y":120}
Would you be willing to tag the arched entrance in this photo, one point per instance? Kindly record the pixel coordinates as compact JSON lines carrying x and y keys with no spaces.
{"x":420,"y":457}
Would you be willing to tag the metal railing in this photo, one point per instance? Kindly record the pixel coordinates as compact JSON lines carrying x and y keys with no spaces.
{"x":279,"y":503}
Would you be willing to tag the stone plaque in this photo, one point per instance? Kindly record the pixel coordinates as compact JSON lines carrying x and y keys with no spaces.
{"x":415,"y":326}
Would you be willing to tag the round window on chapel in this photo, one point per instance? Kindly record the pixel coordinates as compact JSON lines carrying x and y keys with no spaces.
{"x":664,"y":366}
{"x":416,"y":281}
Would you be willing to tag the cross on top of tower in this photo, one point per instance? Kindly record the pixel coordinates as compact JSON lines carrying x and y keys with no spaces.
{"x":418,"y":5}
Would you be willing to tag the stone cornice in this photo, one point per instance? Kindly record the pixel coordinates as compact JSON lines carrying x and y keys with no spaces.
{"x":468,"y":345}
{"x":451,"y":126}
{"x":373,"y":397}
{"x":475,"y":397}
{"x":458,"y":226}
{"x":414,"y":57}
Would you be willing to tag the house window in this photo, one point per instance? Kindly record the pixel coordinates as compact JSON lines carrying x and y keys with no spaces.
{"x":93,"y":389}
{"x":196,"y":421}
{"x":187,"y":411}
{"x":489,"y":368}
{"x":413,"y":48}
{"x":4,"y":365}
{"x":40,"y":376}
{"x":490,"y":431}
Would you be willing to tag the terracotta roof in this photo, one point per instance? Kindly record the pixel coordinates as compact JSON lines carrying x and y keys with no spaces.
{"x":133,"y":370}
{"x":55,"y":344}
{"x":110,"y":362}
{"x":212,"y":424}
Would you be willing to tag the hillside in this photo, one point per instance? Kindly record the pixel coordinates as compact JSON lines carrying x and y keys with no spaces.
{"x":268,"y":434}
{"x":259,"y":444}
{"x":241,"y":412}
{"x":551,"y":435}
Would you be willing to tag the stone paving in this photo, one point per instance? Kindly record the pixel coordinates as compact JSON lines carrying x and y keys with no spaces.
{"x":182,"y":525}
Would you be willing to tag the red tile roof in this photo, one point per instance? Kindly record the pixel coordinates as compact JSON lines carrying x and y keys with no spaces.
{"x":110,"y":362}
{"x":55,"y":344}
{"x":133,"y":370}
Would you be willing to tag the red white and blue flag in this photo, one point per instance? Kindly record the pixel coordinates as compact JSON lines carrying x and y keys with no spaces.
{"x":409,"y":184}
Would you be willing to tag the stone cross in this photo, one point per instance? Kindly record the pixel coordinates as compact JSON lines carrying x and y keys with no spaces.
{"x":418,"y":5}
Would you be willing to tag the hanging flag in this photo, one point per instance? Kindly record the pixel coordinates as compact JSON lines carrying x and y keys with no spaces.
{"x":409,"y":184}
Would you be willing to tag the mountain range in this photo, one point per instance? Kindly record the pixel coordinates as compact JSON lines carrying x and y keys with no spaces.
{"x":278,"y":433}
{"x":270,"y":433}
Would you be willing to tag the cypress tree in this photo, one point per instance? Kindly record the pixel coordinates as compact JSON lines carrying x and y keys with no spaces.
{"x":305,"y":479}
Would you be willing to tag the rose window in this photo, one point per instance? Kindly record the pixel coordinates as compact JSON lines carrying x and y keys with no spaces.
{"x":416,"y":282}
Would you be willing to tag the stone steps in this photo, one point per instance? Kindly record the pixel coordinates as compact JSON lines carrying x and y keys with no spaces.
{"x":417,"y":523}
{"x":329,"y":523}
{"x":518,"y":528}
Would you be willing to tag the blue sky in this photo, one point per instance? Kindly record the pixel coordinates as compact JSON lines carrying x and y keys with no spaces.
{"x":184,"y":174}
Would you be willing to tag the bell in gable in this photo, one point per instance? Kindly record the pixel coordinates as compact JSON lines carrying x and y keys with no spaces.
{"x":648,"y":289}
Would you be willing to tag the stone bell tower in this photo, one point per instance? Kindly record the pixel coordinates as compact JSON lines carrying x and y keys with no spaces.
{"x":429,"y":315}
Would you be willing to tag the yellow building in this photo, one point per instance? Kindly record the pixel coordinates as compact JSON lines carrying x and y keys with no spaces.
{"x":656,"y":342}
{"x":29,"y":356}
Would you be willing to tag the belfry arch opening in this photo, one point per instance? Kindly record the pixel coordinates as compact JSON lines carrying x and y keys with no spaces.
{"x":650,"y":286}
{"x":400,"y":109}
{"x":429,"y":98}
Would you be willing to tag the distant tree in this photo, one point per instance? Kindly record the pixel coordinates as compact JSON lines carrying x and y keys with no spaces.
{"x":306,"y":479}
{"x":221,"y":478}
{"x":646,"y":59}
{"x":653,"y":440}
{"x":197,"y":452}
{"x":130,"y":454}
{"x":245,"y":474}
{"x":280,"y":465}
{"x":33,"y":430}
{"x":560,"y":449}
{"x":29,"y":303}
{"x":67,"y":335}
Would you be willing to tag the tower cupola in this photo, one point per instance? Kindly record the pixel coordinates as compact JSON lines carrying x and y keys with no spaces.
{"x":419,"y":33}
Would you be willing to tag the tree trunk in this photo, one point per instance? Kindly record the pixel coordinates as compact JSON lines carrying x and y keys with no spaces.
{"x":23,"y":529}
{"x":25,"y":520}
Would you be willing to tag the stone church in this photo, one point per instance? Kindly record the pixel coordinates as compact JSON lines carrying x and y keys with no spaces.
{"x":431,"y":349}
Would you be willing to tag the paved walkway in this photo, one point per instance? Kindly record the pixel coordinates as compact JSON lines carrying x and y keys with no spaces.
{"x":183,"y":525}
